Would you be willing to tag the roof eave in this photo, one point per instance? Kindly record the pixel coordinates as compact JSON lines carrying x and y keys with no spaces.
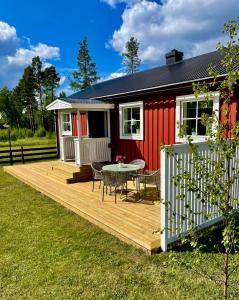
{"x":63,"y":105}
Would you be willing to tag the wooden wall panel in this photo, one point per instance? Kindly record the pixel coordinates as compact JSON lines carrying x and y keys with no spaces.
{"x":159,"y":128}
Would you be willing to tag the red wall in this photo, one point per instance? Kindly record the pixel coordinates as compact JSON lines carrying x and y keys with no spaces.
{"x":83,"y":126}
{"x":159,"y":128}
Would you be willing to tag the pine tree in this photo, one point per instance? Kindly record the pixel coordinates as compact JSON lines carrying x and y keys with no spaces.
{"x":131,"y":59}
{"x":62,"y":94}
{"x":8,"y":110}
{"x":27,"y":87}
{"x":86,"y":74}
{"x":51,"y":81}
{"x":39,"y":81}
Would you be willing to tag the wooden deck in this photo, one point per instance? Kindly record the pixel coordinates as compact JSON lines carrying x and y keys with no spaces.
{"x":134,"y":222}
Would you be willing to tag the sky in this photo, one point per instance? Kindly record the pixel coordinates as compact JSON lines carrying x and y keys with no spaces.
{"x":52,"y":29}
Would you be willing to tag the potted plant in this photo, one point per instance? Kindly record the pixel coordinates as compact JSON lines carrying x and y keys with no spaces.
{"x":120,"y":160}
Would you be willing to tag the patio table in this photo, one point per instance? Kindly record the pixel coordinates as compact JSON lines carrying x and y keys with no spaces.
{"x":121,"y":168}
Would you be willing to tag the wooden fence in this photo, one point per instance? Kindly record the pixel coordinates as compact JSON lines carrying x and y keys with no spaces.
{"x":172,"y":208}
{"x":27,"y":154}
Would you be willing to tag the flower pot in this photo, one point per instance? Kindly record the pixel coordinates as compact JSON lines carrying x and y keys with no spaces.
{"x":120,"y":164}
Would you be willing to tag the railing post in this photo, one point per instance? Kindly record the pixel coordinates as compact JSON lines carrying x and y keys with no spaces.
{"x":78,"y":151}
{"x":164,"y":198}
{"x":22,"y":154}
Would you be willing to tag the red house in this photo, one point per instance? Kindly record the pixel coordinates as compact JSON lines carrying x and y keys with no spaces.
{"x":133,"y":115}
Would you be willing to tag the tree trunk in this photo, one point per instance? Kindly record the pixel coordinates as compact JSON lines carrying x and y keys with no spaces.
{"x":226,"y":265}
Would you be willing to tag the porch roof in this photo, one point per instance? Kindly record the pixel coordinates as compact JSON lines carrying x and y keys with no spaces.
{"x":84,"y":104}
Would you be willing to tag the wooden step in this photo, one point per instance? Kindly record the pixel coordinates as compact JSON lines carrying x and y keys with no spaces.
{"x":70,"y":173}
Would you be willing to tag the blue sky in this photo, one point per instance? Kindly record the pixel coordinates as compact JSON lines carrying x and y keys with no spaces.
{"x":53,"y":29}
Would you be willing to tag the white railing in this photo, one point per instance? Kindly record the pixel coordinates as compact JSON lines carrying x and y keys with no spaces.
{"x":172,"y":208}
{"x":67,"y":148}
{"x":92,"y":149}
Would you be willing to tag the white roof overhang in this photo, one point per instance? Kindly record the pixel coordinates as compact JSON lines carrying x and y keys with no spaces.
{"x":63,"y":105}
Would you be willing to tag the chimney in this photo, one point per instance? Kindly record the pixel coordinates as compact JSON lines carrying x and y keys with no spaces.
{"x":173,"y":56}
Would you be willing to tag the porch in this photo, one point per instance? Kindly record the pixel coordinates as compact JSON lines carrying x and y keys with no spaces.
{"x":83,"y":130}
{"x":132,"y":221}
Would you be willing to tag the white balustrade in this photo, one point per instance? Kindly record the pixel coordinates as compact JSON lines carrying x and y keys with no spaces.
{"x":172,"y":208}
{"x":67,"y":148}
{"x":92,"y":149}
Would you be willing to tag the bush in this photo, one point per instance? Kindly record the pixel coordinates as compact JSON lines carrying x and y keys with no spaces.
{"x":4,"y":135}
{"x":41,"y":132}
{"x":50,"y":135}
{"x":22,"y":133}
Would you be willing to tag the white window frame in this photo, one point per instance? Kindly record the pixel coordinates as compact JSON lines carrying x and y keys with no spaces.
{"x":69,"y":132}
{"x":189,"y":98}
{"x":139,"y":136}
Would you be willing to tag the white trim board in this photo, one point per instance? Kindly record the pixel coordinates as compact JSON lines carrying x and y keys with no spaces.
{"x":60,"y":105}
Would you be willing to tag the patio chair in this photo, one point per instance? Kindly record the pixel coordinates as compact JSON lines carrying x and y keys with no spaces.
{"x":113,"y":179}
{"x":139,"y":162}
{"x":97,"y":176}
{"x":149,"y":177}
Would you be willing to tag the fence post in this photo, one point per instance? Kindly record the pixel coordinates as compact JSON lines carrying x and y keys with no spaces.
{"x":22,"y":153}
{"x":164,"y":198}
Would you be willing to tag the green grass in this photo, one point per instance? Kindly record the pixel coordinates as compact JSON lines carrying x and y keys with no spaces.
{"x":48,"y":252}
{"x":29,"y":142}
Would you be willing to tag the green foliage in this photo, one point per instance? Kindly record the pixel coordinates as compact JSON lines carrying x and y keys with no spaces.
{"x":41,"y":132}
{"x":62,"y":95}
{"x":16,"y":134}
{"x":131,"y":59}
{"x":86,"y":74}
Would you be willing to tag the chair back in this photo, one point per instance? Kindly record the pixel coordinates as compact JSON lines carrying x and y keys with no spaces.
{"x":113,"y":178}
{"x":138,"y":162}
{"x":97,"y":168}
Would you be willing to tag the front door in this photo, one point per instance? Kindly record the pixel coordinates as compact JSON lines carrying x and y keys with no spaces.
{"x":97,"y":121}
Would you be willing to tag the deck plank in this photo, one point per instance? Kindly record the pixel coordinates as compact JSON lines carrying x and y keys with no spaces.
{"x":134,"y":222}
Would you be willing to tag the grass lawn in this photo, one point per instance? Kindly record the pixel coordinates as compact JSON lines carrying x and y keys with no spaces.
{"x":48,"y":252}
{"x":29,"y":142}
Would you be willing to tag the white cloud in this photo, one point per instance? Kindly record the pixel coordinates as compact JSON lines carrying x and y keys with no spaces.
{"x":24,"y":56}
{"x":113,"y":3}
{"x":14,"y":58}
{"x":193,"y":27}
{"x":113,"y":76}
{"x":62,"y":79}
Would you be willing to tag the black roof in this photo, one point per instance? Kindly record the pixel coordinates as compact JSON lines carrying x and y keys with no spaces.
{"x":191,"y":69}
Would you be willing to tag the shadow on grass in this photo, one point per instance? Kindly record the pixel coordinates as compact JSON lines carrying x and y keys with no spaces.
{"x":209,"y":239}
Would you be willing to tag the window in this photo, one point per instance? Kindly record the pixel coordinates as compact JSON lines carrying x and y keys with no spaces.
{"x":131,"y":120}
{"x":189,"y":112}
{"x":66,"y":124}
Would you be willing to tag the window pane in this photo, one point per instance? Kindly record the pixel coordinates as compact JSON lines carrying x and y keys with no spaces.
{"x":136,"y":113}
{"x":127,"y":127}
{"x":205,"y":107}
{"x":191,"y":127}
{"x":136,"y":127}
{"x":127,"y":114}
{"x":189,"y":109}
{"x":201,"y":128}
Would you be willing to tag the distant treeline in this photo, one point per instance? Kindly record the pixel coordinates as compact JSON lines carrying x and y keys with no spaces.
{"x":25,"y":105}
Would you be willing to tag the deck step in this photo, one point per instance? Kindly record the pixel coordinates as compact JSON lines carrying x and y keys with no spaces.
{"x":70,"y":173}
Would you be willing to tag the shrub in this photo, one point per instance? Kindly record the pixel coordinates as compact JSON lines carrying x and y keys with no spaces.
{"x":4,"y":135}
{"x":50,"y":135}
{"x":22,"y":133}
{"x":41,"y":132}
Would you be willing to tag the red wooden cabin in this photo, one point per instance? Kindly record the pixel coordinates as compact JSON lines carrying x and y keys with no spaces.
{"x":134,"y":114}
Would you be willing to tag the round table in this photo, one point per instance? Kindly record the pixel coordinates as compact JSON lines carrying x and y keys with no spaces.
{"x":121,"y":168}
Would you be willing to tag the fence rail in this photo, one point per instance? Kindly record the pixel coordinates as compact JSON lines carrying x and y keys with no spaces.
{"x":172,"y":208}
{"x":27,"y":154}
